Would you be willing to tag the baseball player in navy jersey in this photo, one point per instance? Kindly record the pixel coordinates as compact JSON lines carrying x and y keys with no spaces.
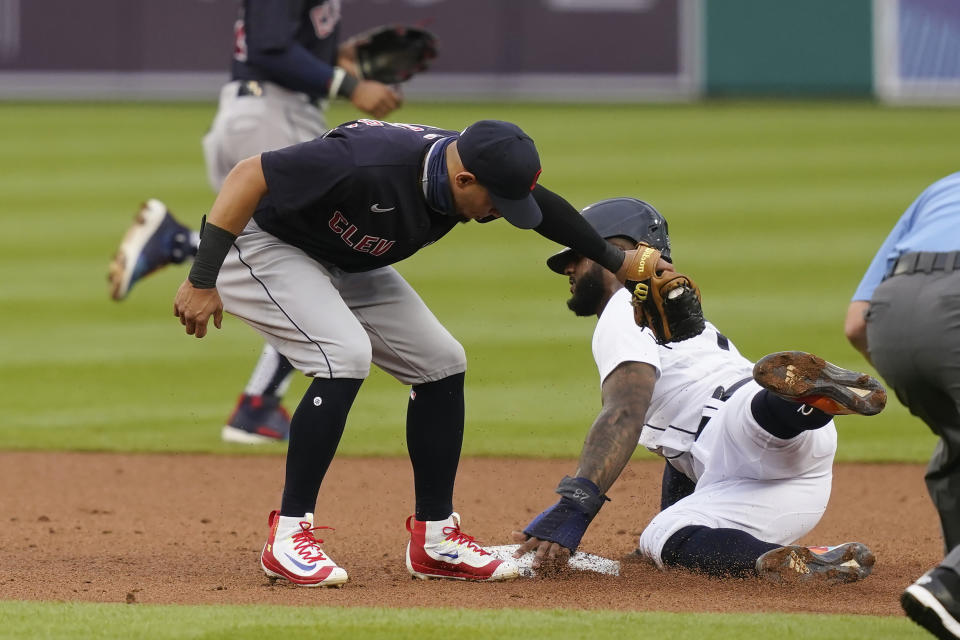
{"x":749,"y":448}
{"x":299,"y":244}
{"x":287,"y":63}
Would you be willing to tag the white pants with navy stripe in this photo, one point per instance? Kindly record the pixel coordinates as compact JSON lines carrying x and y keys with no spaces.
{"x":330,"y":323}
{"x":776,"y":490}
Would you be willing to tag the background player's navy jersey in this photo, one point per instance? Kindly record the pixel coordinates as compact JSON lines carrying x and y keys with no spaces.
{"x":271,"y":27}
{"x":353,"y":198}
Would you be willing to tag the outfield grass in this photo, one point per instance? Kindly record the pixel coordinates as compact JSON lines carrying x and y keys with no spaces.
{"x":108,"y":621}
{"x":775,"y":208}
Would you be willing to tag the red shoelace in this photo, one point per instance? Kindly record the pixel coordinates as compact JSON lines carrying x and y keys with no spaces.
{"x":307,"y":544}
{"x":455,"y":535}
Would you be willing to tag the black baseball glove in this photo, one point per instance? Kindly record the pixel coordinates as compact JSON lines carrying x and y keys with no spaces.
{"x":392,"y":54}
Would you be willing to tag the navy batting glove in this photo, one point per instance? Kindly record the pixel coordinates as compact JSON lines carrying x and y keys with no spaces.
{"x":567,"y":520}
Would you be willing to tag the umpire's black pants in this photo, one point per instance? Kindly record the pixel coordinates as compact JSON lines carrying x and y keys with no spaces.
{"x":913,"y":333}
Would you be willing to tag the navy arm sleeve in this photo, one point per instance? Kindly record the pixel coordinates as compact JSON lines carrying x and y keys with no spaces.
{"x":564,"y":225}
{"x":272,"y":47}
{"x":294,"y":68}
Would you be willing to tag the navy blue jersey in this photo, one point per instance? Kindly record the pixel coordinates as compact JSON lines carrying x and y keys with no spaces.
{"x":353,"y":198}
{"x":298,"y":34}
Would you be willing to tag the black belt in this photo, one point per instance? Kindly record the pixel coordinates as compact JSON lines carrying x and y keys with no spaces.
{"x":722,"y":394}
{"x":250,"y":88}
{"x":925,"y":262}
{"x":258,"y":89}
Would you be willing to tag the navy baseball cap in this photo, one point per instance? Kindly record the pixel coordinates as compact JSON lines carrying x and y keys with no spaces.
{"x":627,"y":217}
{"x":505,"y":161}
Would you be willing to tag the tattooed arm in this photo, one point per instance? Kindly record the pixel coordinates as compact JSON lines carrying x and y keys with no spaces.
{"x":610,"y":443}
{"x":613,"y":437}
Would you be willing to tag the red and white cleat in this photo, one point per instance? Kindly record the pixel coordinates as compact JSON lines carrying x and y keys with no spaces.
{"x":439,"y":549}
{"x":293,"y":552}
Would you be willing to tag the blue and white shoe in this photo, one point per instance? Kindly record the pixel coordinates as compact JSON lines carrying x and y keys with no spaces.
{"x":257,"y":420}
{"x":154,"y":240}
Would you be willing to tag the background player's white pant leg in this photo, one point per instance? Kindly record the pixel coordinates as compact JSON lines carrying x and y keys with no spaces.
{"x":292,"y":301}
{"x":408,"y":341}
{"x":243,"y":127}
{"x":264,"y":373}
{"x":747,"y":479}
{"x":247,"y":125}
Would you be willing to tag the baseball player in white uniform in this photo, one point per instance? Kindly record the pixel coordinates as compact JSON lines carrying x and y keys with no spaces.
{"x":749,"y":448}
{"x":287,"y":64}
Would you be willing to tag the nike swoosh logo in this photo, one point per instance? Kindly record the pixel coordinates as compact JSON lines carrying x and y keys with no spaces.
{"x":305,"y":567}
{"x":375,"y":207}
{"x":450,"y":555}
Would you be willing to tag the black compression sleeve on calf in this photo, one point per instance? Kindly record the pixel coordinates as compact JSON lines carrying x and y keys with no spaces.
{"x":214,"y":245}
{"x":674,"y":486}
{"x":315,"y":431}
{"x":783,"y":418}
{"x":717,"y":552}
{"x":564,"y":225}
{"x":434,"y":439}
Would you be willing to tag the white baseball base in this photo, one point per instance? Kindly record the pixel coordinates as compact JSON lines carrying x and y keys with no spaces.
{"x":579,"y":561}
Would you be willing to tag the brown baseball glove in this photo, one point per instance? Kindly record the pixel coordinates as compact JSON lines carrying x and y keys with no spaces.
{"x":666,"y":302}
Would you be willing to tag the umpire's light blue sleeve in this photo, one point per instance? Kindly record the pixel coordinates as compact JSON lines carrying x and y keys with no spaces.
{"x":931,"y":223}
{"x":884,"y":258}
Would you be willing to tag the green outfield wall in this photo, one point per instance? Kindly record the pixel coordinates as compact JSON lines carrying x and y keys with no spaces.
{"x":785,"y":47}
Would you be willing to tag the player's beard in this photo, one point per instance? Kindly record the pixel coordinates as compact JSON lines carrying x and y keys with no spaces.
{"x":587,"y":292}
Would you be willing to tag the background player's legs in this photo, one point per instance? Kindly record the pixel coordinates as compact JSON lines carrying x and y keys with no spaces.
{"x":244,"y":126}
{"x":154,"y":240}
{"x":259,"y":415}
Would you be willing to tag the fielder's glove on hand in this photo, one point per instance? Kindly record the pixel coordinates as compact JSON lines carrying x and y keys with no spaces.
{"x":567,"y":520}
{"x":393,"y":54}
{"x":668,"y":303}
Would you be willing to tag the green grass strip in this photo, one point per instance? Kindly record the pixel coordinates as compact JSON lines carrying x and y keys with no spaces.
{"x":775,"y":209}
{"x":107,"y":621}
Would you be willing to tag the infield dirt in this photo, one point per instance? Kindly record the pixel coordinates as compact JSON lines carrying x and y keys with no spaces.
{"x":188,"y":529}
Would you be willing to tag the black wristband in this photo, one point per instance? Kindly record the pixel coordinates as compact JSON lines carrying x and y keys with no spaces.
{"x":611,"y":257}
{"x":342,"y":84}
{"x":214,"y":245}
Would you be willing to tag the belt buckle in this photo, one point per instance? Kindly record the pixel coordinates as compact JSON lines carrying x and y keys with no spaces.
{"x":250,"y":88}
{"x":906,"y":264}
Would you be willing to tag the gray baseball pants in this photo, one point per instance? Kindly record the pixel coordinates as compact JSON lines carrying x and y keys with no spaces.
{"x":913,"y":333}
{"x":330,"y":323}
{"x":248,"y":125}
